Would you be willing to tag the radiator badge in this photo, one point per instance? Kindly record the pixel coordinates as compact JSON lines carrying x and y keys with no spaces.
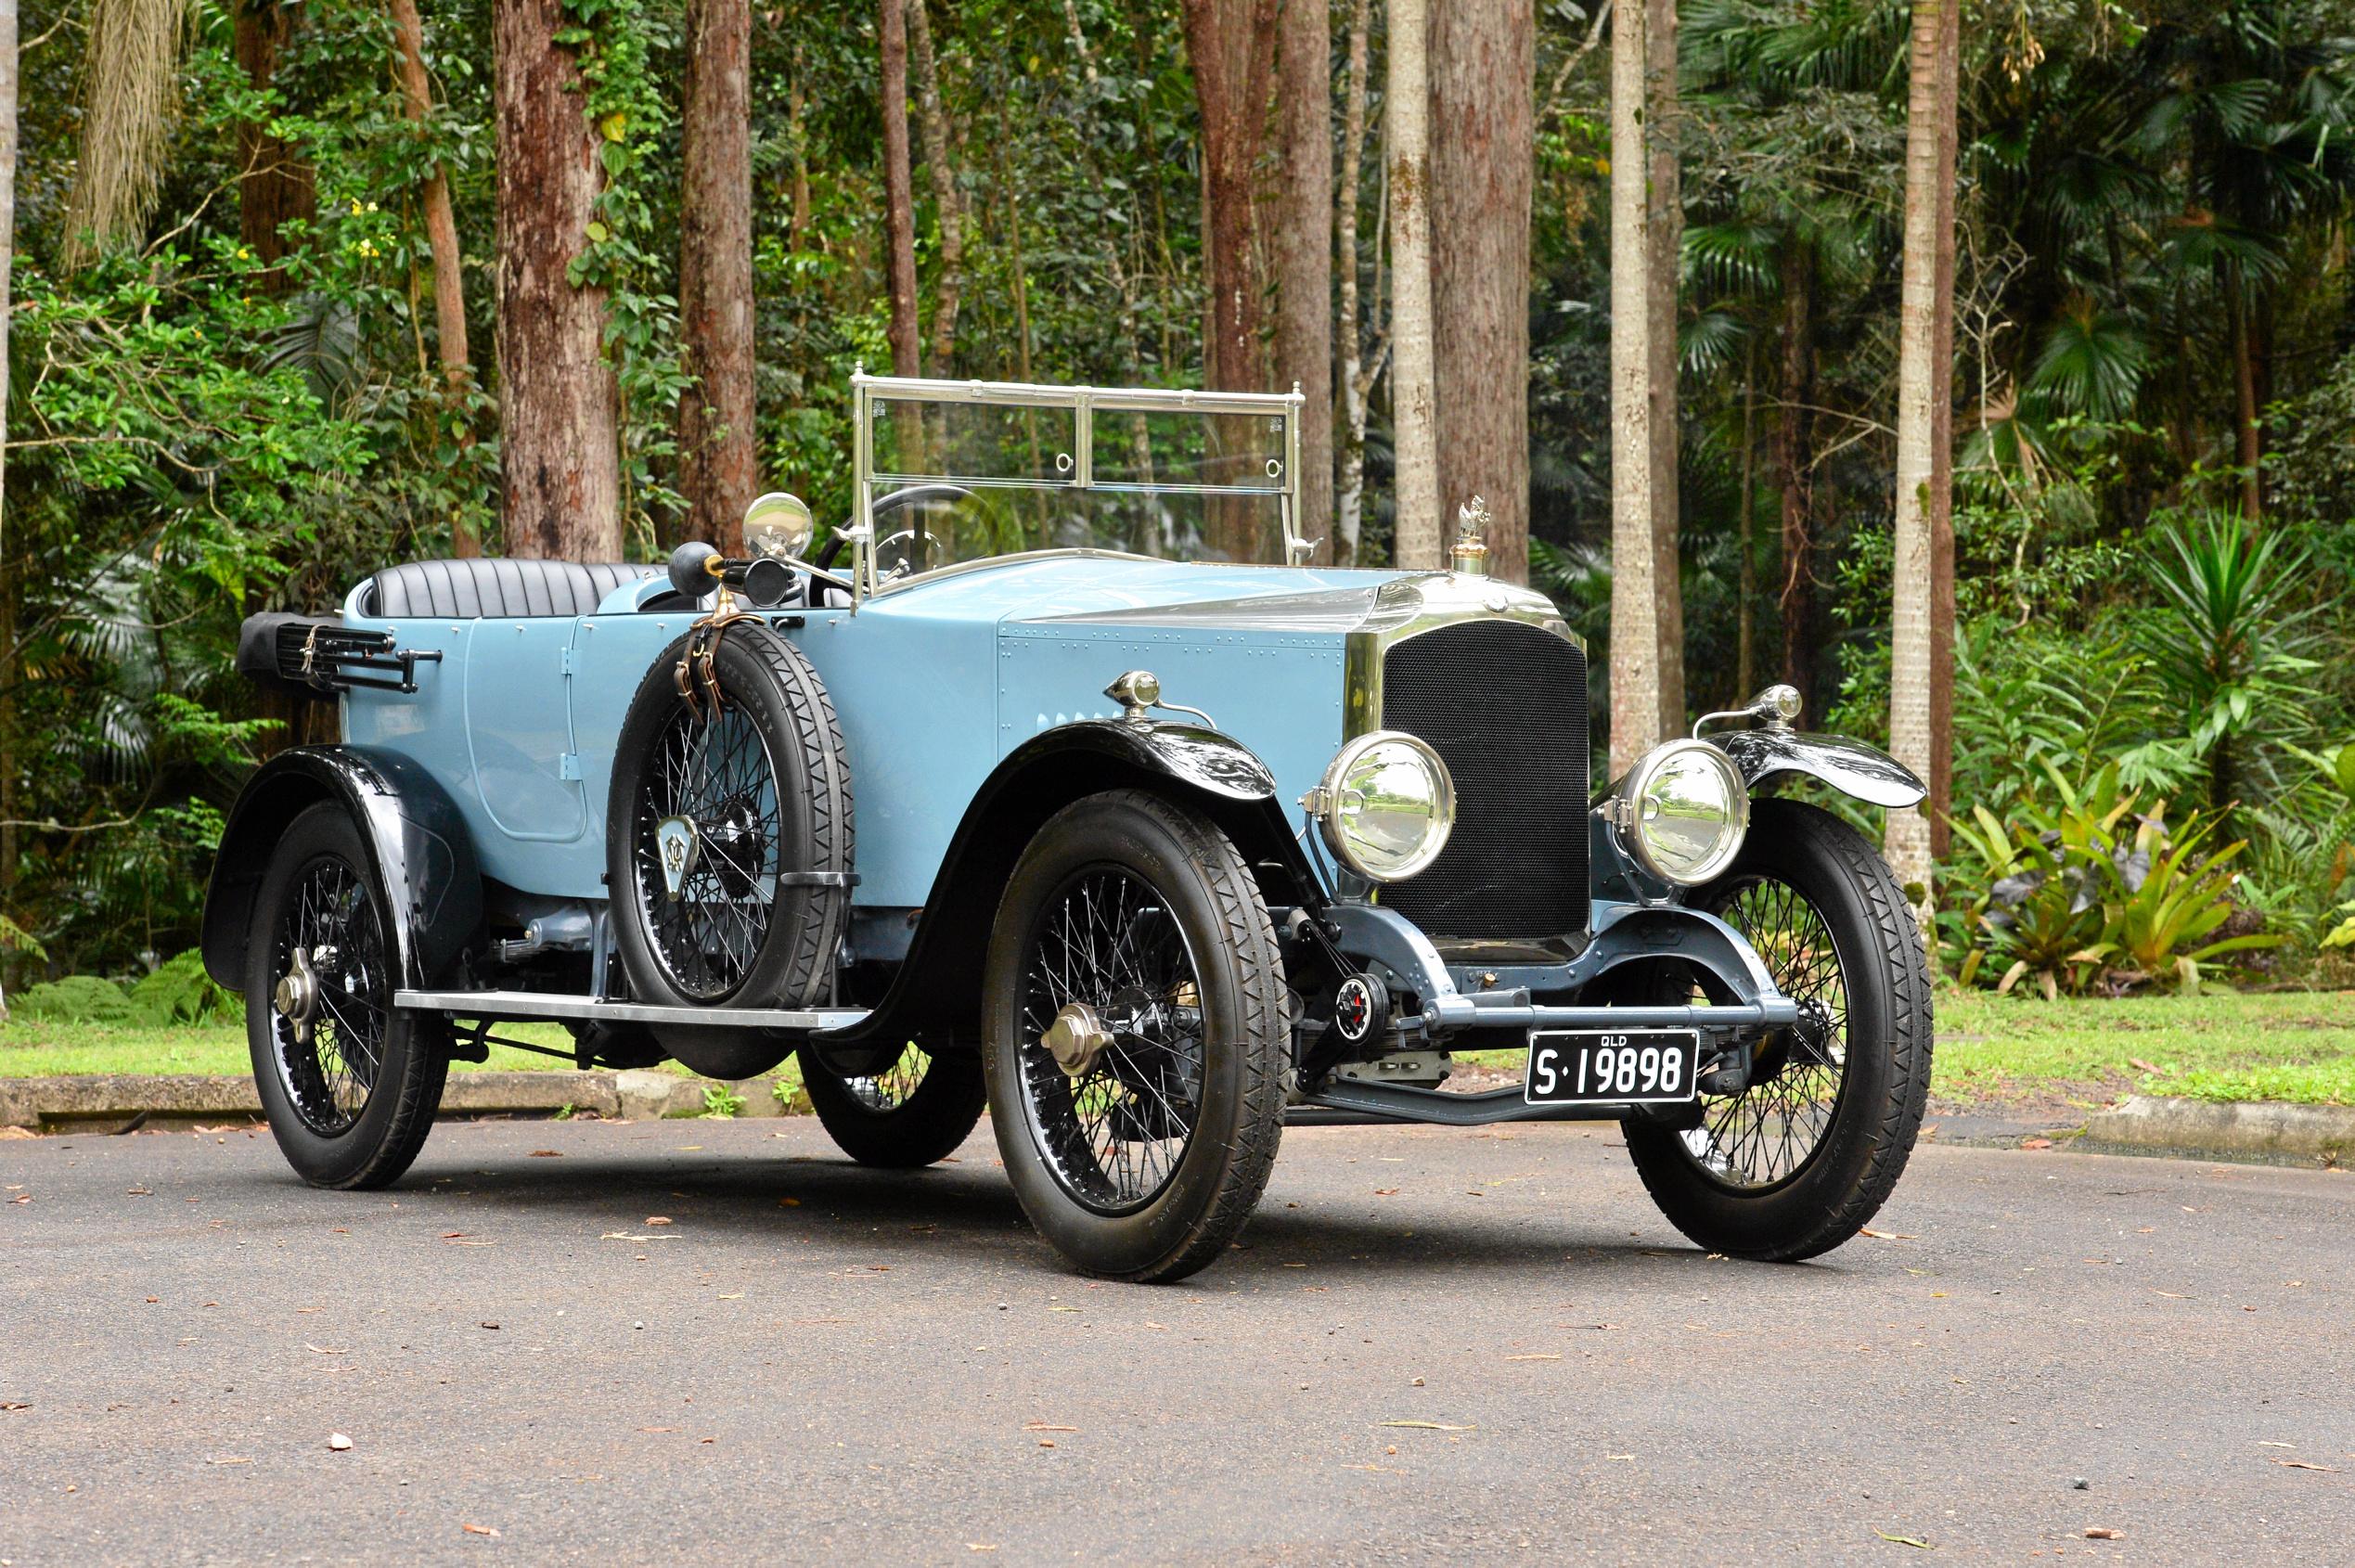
{"x":679,"y":847}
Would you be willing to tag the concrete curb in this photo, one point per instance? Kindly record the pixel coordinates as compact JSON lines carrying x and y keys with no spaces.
{"x":87,"y":1101}
{"x":2263,"y":1133}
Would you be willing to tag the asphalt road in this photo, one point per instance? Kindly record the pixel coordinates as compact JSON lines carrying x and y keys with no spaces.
{"x":812,"y":1361}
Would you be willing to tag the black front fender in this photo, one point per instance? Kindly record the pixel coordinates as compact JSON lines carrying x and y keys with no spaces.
{"x":417,"y":845}
{"x":936,"y":993}
{"x":1850,"y":766}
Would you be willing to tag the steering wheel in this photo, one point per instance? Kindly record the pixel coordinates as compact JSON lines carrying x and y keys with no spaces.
{"x":919,"y":541}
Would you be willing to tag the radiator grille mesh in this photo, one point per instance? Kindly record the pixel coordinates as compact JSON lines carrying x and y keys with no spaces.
{"x":1504,"y":704}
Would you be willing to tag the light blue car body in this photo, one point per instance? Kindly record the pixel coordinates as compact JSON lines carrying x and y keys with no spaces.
{"x":934,"y":682}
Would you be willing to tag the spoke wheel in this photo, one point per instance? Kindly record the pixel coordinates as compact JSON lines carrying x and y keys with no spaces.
{"x":1135,"y":1036}
{"x":350,"y":1083}
{"x":1766,"y":1134}
{"x":1804,"y":1155}
{"x":717,"y":777}
{"x":331,"y":948}
{"x":1114,"y":1129}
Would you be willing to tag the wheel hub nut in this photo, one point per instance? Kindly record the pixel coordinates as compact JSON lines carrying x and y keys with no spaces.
{"x":1075,"y":1039}
{"x":297,"y":995}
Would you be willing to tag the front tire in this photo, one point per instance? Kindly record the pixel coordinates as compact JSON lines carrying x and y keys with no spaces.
{"x":1134,"y":1035}
{"x":350,"y":1084}
{"x":1800,"y":1160}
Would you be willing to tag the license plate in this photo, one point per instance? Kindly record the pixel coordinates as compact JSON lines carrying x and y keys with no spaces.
{"x":1619,"y":1067}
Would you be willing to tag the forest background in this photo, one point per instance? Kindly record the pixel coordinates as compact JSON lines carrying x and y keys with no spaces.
{"x":270,"y":260}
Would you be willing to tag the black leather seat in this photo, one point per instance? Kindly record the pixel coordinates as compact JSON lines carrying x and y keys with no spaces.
{"x":495,"y":589}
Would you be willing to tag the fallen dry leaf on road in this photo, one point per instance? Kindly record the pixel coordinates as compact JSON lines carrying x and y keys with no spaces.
{"x":1043,"y":1426}
{"x":322,"y":1349}
{"x":1548,"y":1355}
{"x":1905,"y":1540}
{"x":1889,"y":1235}
{"x":229,"y":1460}
{"x":2103,"y":1533}
{"x":479,"y":1530}
{"x":657,"y":1220}
{"x":2025,"y":1143}
{"x":2307,"y":1464}
{"x":795,"y":1204}
{"x":1429,"y":1426}
{"x":13,"y":1405}
{"x":546,"y":1154}
{"x":488,"y":1324}
{"x":1046,"y":1442}
{"x":1379,"y":1193}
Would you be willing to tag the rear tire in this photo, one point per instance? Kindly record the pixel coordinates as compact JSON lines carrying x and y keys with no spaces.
{"x":350,"y":1098}
{"x":914,"y":1112}
{"x":1740,"y":1184}
{"x":764,"y":786}
{"x":1134,"y":922}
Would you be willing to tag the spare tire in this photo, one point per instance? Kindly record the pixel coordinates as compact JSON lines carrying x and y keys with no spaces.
{"x":729,"y":840}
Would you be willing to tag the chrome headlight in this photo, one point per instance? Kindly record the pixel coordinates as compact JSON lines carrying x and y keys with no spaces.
{"x":1682,"y":812}
{"x":1386,"y":806}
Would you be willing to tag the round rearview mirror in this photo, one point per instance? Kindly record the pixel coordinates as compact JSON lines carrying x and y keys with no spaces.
{"x":778,"y":525}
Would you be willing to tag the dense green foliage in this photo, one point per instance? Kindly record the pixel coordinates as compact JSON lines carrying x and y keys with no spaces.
{"x":2154,"y":204}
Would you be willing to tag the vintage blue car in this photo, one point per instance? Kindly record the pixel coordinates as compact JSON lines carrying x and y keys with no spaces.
{"x":1062,"y":779}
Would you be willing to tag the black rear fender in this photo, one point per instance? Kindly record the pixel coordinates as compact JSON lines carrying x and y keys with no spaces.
{"x":935,"y":996}
{"x":417,"y":845}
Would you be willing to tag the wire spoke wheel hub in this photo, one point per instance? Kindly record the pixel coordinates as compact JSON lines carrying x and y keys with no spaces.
{"x":1766,"y":1134}
{"x":331,"y":1007}
{"x":1113,"y":1052}
{"x":713,"y":786}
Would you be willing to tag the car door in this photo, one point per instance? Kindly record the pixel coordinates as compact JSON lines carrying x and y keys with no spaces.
{"x":519,"y":726}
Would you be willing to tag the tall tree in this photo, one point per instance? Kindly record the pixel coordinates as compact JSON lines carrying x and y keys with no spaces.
{"x":275,"y":186}
{"x":130,"y":95}
{"x":947,"y":202}
{"x":1923,"y":468}
{"x":1942,"y":613}
{"x":559,"y":403}
{"x":1483,"y":68}
{"x":1417,"y":541}
{"x":1636,"y":704}
{"x":441,"y":233}
{"x":718,"y":468}
{"x":899,"y":201}
{"x":1664,"y":233}
{"x":1303,"y":248}
{"x":1793,"y":461}
{"x":1232,"y":46}
{"x":1358,"y":370}
{"x":7,"y":549}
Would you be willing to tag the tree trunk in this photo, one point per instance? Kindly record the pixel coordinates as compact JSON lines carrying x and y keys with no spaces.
{"x":1665,"y":235}
{"x":558,"y":405}
{"x":1942,"y":614}
{"x":933,"y":118}
{"x":1232,"y":46}
{"x":1355,"y":383}
{"x":1746,"y":654}
{"x":9,"y":812}
{"x":1635,"y":627}
{"x":1484,"y":84}
{"x":899,"y":201}
{"x":441,"y":233}
{"x":1304,"y":250}
{"x":2250,"y":453}
{"x":276,"y":187}
{"x":718,"y":464}
{"x":1793,"y":453}
{"x":1921,"y":472}
{"x":1417,"y":542}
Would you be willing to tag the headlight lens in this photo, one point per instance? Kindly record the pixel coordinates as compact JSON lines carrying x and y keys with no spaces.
{"x":1683,"y":812}
{"x":1386,"y":806}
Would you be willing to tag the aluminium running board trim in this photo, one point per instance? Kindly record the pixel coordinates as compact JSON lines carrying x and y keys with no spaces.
{"x":519,"y":1005}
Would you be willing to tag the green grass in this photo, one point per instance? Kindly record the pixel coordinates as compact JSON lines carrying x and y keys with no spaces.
{"x":1992,"y":1051}
{"x":30,"y":1049}
{"x":2005,"y":1053}
{"x":2290,"y":1045}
